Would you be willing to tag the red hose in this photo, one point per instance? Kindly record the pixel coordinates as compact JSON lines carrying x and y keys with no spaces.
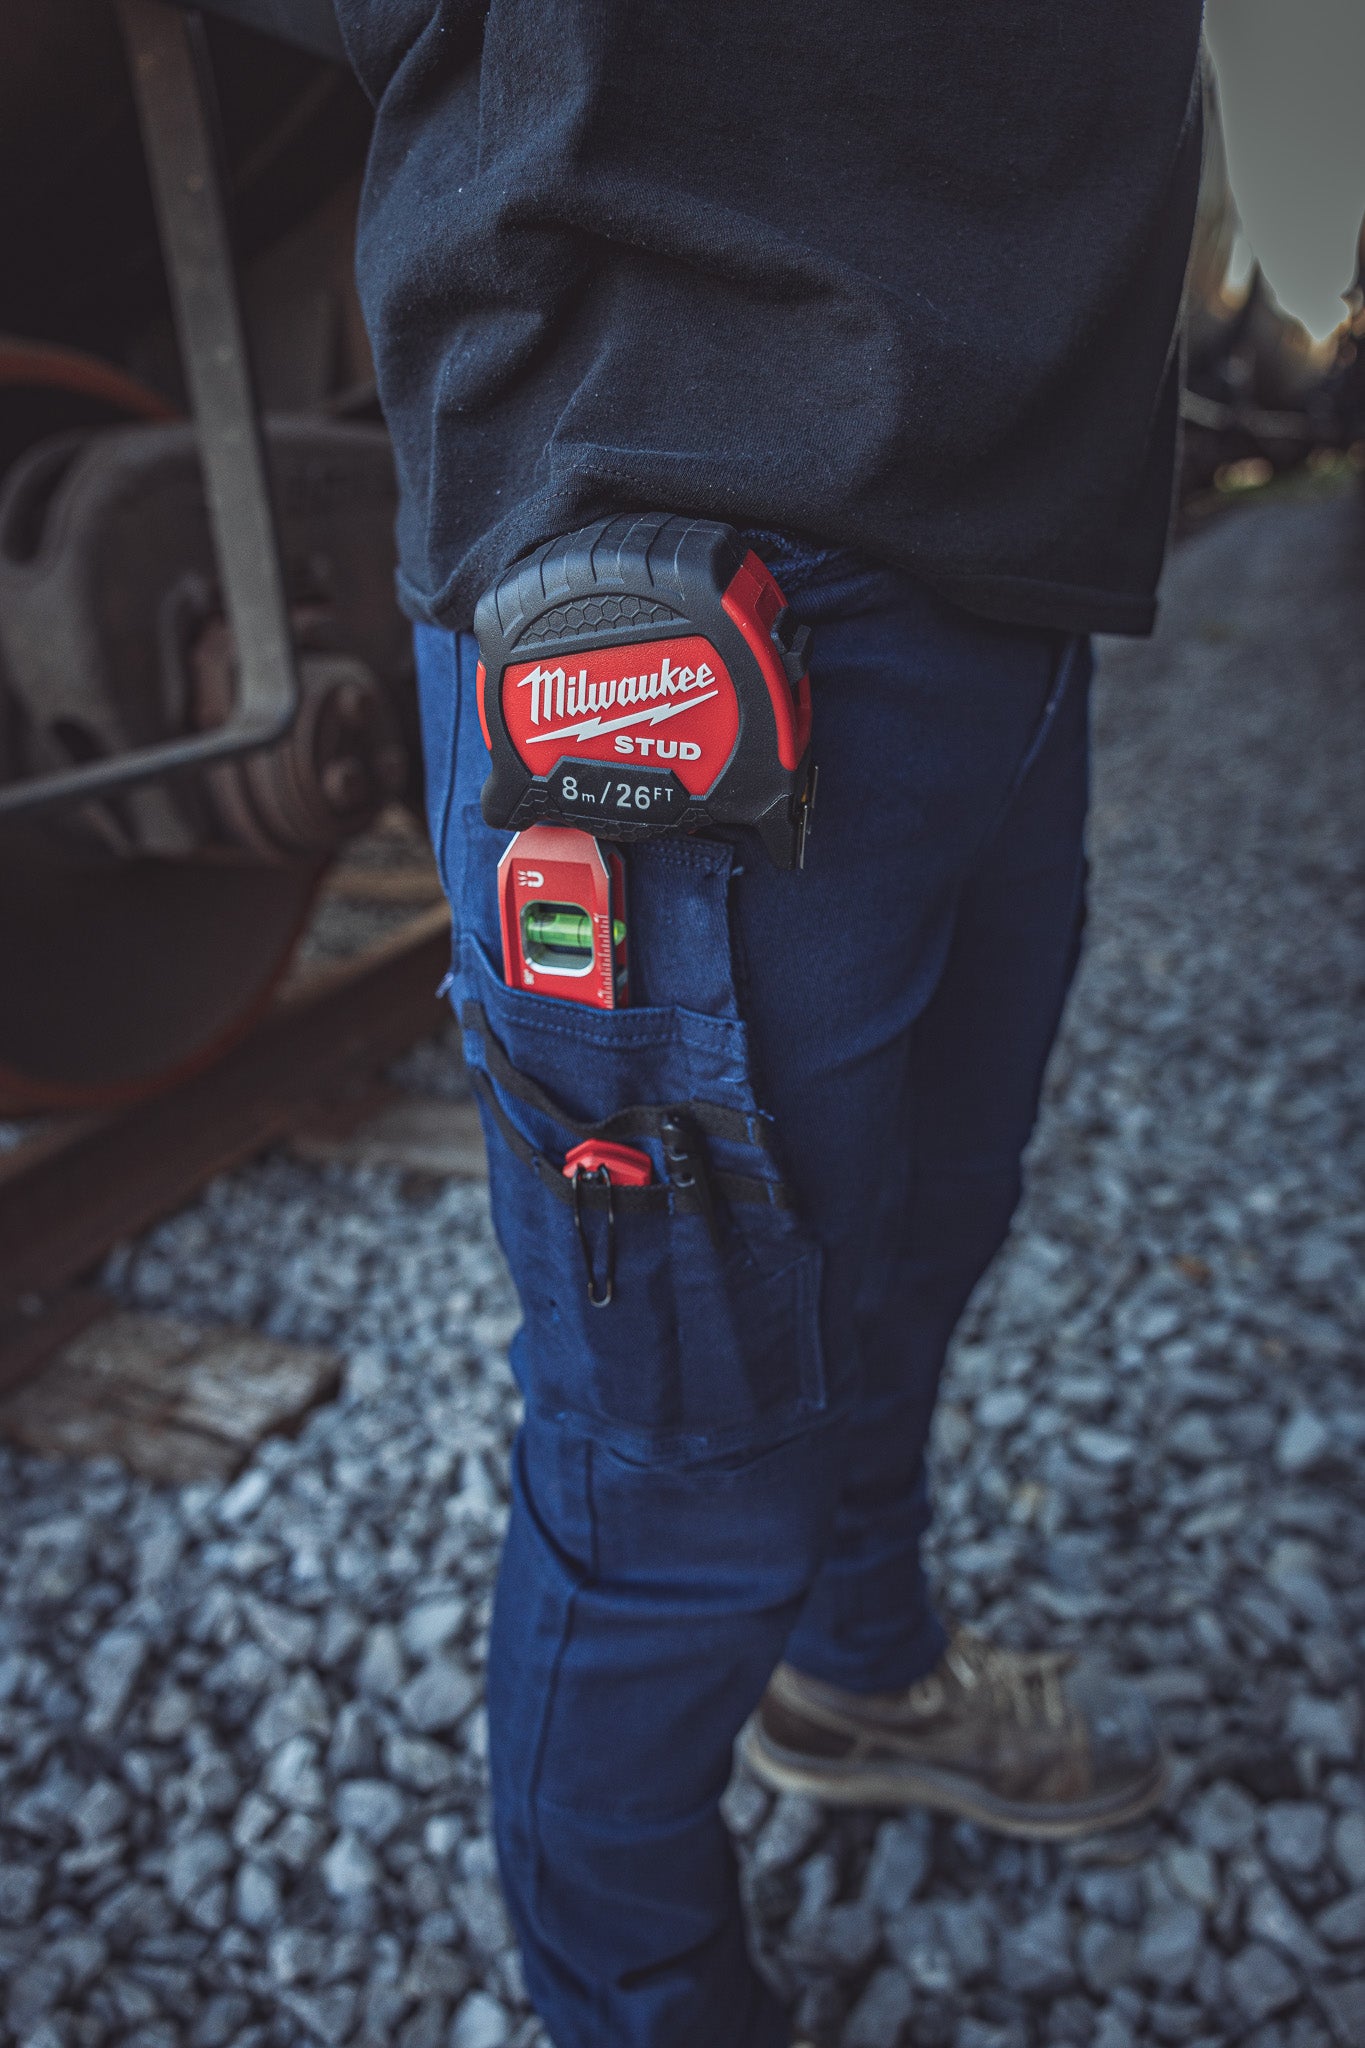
{"x":46,"y":363}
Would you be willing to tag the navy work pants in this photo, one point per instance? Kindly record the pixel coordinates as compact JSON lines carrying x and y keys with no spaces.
{"x":726,"y":1465}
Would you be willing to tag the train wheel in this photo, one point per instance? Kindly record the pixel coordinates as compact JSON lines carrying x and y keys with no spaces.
{"x":118,"y":976}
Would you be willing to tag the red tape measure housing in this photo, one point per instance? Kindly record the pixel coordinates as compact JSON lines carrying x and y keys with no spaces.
{"x":644,"y":676}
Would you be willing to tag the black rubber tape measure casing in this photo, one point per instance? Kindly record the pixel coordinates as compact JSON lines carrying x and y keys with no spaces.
{"x":645,"y":675}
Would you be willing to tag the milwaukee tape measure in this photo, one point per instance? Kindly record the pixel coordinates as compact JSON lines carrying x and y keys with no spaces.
{"x":646,"y":675}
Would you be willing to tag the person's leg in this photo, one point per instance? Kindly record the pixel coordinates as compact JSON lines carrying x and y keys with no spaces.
{"x":640,"y":1611}
{"x":678,"y":1468}
{"x":871,"y":1705}
{"x":971,"y":1085}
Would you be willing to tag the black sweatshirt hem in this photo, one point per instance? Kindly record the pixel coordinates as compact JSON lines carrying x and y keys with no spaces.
{"x":1013,"y":600}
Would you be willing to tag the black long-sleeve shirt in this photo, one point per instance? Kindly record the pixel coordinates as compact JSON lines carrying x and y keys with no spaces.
{"x":900,"y":276}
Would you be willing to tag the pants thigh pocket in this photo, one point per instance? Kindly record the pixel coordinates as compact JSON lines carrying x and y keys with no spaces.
{"x":710,"y":1340}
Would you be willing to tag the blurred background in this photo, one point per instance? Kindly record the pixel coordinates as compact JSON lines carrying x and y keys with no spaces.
{"x":1288,"y":85}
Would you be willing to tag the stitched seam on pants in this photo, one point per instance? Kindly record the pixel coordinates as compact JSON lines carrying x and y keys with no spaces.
{"x":1066,"y":667}
{"x":533,"y":1795}
{"x":533,"y":1776}
{"x":447,"y":801}
{"x":1067,"y":663}
{"x":602,"y":2000}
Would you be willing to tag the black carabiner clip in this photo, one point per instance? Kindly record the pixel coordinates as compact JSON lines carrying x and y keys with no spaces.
{"x":685,"y":1160}
{"x":602,"y":1176}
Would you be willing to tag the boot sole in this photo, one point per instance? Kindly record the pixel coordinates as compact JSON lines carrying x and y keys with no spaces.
{"x":907,"y":1784}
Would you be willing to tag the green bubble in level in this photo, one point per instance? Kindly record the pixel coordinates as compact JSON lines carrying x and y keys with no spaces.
{"x":560,"y":934}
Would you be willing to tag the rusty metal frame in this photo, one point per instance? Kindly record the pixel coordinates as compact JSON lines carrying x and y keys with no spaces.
{"x":171,"y":85}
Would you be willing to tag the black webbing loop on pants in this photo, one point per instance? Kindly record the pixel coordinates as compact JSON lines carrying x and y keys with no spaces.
{"x":735,"y":1187}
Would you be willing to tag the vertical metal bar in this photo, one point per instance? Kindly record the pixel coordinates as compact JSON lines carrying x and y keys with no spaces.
{"x":175,"y":110}
{"x":187,"y":185}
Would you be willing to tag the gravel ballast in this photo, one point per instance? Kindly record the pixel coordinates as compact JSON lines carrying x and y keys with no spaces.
{"x":242,"y":1747}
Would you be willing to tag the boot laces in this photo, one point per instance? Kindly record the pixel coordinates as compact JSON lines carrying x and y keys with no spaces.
{"x":1024,"y":1685}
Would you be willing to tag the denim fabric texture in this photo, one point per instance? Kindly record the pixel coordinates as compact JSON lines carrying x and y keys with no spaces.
{"x":726,"y":1466}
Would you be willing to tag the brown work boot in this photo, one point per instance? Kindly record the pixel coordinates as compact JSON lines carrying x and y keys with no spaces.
{"x":1026,"y":1744}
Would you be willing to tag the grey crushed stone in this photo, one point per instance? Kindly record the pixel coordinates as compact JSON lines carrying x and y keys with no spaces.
{"x":1261,"y":1983}
{"x":1270,"y":1917}
{"x":1327,"y":1728}
{"x":480,"y":2023}
{"x":1224,"y":1819}
{"x":919,"y":1941}
{"x":21,"y":1887}
{"x":242,"y":1746}
{"x":1348,"y":1847}
{"x":1344,"y":2008}
{"x":901,"y":1859}
{"x":439,"y":1697}
{"x":1171,"y":1945}
{"x":1113,"y":2031}
{"x":1107,"y":1956}
{"x":1295,"y":1834}
{"x":371,"y":1808}
{"x":883,"y":2009}
{"x":1303,"y":1444}
{"x":1192,"y":1873}
{"x":1342,"y":1924}
{"x":1035,"y":1957}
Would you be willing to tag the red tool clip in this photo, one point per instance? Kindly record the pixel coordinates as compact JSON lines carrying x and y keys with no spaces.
{"x":623,"y":1166}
